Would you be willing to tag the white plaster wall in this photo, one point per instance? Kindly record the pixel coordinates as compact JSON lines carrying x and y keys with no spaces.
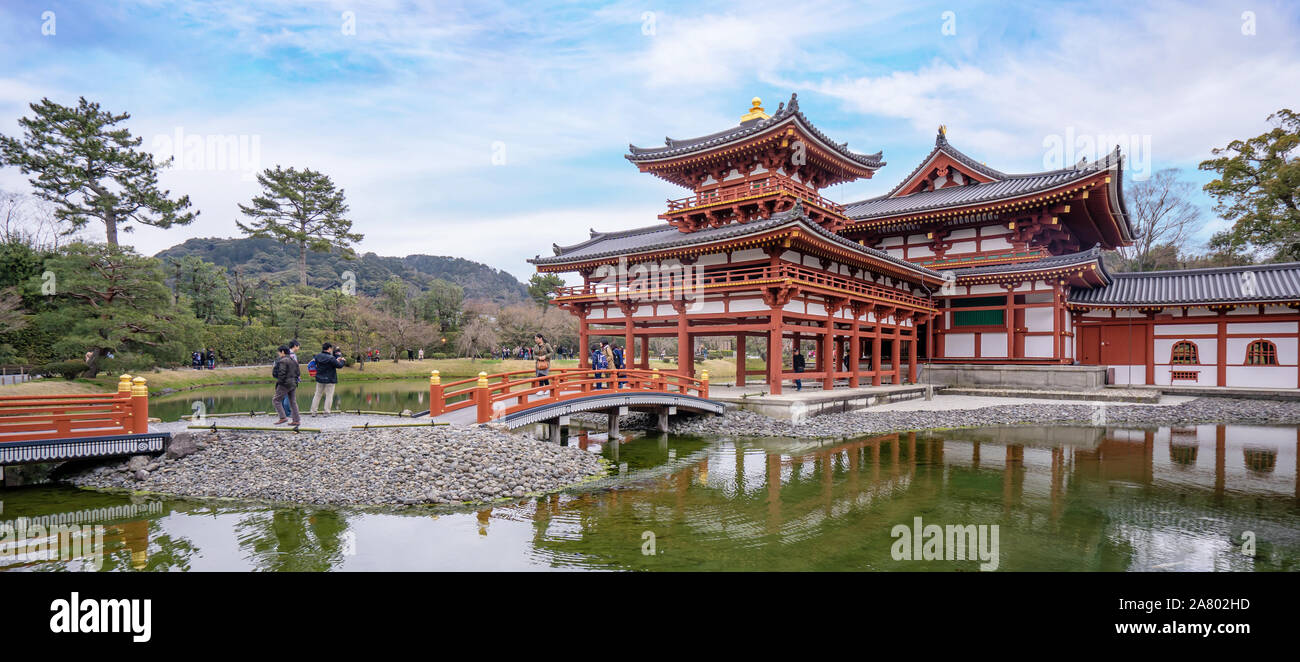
{"x":794,"y":307}
{"x":816,"y":309}
{"x":986,"y":289}
{"x":1039,"y":319}
{"x":992,"y":230}
{"x":1039,"y":346}
{"x":792,"y":256}
{"x":896,"y":252}
{"x":1186,"y":329}
{"x":959,"y":345}
{"x":748,"y":254}
{"x":919,"y":251}
{"x":995,"y":244}
{"x":917,"y":238}
{"x":993,"y":345}
{"x":963,"y":247}
{"x":892,"y":241}
{"x":1261,"y":328}
{"x":1262,"y":376}
{"x":666,"y":309}
{"x":964,"y":233}
{"x":747,"y":305}
{"x":712,"y":259}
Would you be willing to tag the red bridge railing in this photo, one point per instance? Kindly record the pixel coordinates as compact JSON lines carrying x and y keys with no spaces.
{"x":494,"y":396}
{"x":41,"y":417}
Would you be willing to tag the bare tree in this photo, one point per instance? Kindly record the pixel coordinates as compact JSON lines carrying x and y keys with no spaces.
{"x":479,"y":333}
{"x":1162,"y":214}
{"x":27,"y":219}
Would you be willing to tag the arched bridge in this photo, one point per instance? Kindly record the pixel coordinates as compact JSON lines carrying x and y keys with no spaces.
{"x":521,"y":398}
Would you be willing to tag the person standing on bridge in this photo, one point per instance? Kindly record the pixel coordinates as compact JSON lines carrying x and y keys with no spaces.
{"x":542,"y":361}
{"x":285,"y":372}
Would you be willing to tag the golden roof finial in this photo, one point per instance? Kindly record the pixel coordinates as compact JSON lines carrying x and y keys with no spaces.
{"x":756,"y":111}
{"x":943,"y":130}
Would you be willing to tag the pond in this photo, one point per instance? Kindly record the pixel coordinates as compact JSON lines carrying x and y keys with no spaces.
{"x":1060,"y":498}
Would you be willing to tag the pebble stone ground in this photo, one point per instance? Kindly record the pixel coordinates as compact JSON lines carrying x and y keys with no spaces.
{"x":394,"y":466}
{"x":475,"y":464}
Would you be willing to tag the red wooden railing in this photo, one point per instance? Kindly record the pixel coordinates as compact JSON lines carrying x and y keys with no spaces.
{"x":745,"y":191}
{"x":798,"y":274}
{"x":494,"y":396}
{"x":41,"y":417}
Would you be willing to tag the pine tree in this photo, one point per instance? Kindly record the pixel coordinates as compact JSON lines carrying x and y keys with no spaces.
{"x":301,"y":208}
{"x":88,"y":169}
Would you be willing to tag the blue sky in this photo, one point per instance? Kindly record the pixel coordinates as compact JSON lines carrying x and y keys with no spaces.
{"x":492,"y":130}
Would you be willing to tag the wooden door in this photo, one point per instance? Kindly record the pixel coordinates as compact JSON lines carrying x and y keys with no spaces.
{"x":1090,"y":350}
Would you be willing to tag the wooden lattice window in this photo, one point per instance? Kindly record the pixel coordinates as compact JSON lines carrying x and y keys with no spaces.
{"x":1261,"y":352}
{"x":1184,"y":353}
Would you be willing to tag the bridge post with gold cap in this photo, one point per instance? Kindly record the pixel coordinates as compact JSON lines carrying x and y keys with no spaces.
{"x":436,"y":400}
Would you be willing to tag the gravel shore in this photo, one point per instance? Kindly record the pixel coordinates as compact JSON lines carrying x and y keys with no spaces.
{"x":866,"y":422}
{"x":443,"y":465}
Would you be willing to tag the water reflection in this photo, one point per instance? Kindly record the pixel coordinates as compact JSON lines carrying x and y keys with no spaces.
{"x":1064,"y":499}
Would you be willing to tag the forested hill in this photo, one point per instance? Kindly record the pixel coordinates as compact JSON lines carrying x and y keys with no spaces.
{"x":279,"y":264}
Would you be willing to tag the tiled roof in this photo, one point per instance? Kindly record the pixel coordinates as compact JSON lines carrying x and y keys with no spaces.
{"x":784,"y":114}
{"x":1008,"y":186}
{"x":1262,"y":283}
{"x":941,"y":146}
{"x":1092,"y":255}
{"x":664,"y":236}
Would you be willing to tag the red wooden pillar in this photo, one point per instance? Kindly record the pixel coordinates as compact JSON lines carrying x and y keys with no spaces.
{"x":645,"y":352}
{"x":774,"y":360}
{"x":629,"y":341}
{"x":740,"y":360}
{"x":875,"y":349}
{"x":1221,"y":357}
{"x":584,"y":342}
{"x":912,"y":351}
{"x":855,"y":347}
{"x":827,"y":351}
{"x":1151,"y":348}
{"x":896,"y":354}
{"x":1011,"y":321}
{"x":685,"y":352}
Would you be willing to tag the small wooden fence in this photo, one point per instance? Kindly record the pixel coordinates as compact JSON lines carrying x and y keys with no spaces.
{"x":45,"y":417}
{"x":494,"y":396}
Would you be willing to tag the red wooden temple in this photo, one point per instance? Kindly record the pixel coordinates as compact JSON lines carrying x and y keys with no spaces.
{"x":958,"y":263}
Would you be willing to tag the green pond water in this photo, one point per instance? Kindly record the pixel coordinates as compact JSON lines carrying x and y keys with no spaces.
{"x":1064,"y":498}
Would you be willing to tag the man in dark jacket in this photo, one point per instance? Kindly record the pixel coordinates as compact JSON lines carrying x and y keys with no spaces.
{"x":327,"y":363}
{"x":285,"y":372}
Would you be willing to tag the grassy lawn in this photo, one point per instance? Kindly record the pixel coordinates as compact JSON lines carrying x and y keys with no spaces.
{"x":450,"y":369}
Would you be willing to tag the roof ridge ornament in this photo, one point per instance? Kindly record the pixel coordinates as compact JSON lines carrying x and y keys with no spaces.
{"x":793,"y":106}
{"x":756,"y":111}
{"x":942,"y":137}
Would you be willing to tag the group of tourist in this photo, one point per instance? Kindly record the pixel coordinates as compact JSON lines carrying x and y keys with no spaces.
{"x":323,"y":368}
{"x":203,"y":358}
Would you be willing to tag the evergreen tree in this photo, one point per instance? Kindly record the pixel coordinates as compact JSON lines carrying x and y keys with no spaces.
{"x":89,"y":169}
{"x":1259,"y":190}
{"x":541,"y":287}
{"x":111,"y":299}
{"x":301,"y":208}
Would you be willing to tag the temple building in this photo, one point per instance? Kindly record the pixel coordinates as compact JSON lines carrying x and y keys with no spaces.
{"x":959,"y":263}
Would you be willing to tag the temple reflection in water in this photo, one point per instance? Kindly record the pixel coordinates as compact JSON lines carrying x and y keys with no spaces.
{"x":1064,"y":498}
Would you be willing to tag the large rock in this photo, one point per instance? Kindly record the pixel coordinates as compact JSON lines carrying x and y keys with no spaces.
{"x":137,"y":462}
{"x":183,"y":443}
